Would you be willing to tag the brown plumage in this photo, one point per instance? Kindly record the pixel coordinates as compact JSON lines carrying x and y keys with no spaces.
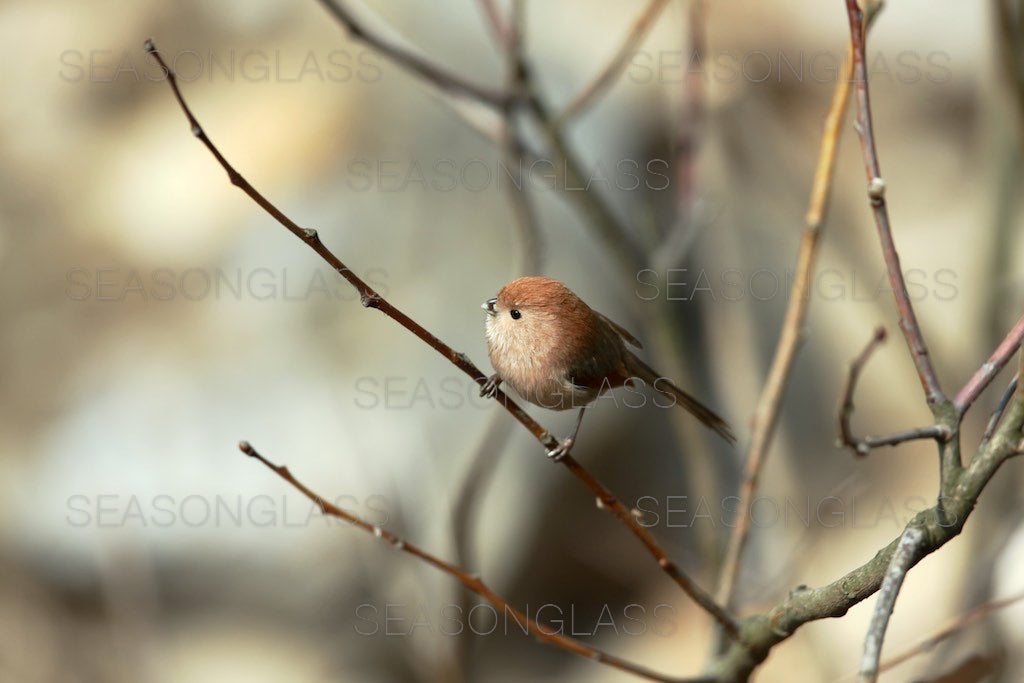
{"x":559,"y":353}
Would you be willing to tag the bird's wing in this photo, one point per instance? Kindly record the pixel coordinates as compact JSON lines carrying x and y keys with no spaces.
{"x":621,"y":331}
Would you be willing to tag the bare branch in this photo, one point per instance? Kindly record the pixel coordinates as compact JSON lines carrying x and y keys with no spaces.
{"x":569,"y":176}
{"x":499,"y":27}
{"x":474,"y":485}
{"x":906,"y":552}
{"x":607,"y":501}
{"x":861,"y":446}
{"x":410,"y":60}
{"x":955,"y":626}
{"x":371,"y":299}
{"x":585,"y":97}
{"x":981,"y":378}
{"x":767,"y":413}
{"x":514,"y":146}
{"x":545,"y":634}
{"x":566,"y":167}
{"x":940,"y":524}
{"x":677,"y":239}
{"x":876,"y":194}
{"x":368,"y":296}
{"x":845,"y":411}
{"x":997,"y":414}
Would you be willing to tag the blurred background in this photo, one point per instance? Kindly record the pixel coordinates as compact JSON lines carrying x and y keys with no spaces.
{"x":154,"y":316}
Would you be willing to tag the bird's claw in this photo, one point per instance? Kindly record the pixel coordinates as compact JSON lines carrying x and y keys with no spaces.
{"x":561,"y":450}
{"x":489,"y":389}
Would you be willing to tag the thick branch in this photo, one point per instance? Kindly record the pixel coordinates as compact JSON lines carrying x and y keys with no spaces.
{"x":940,"y":524}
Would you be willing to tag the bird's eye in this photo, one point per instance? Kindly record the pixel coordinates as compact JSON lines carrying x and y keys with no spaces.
{"x":516,"y":315}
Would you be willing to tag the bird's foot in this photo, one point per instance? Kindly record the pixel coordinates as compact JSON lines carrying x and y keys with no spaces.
{"x":489,"y":389}
{"x":562,"y":449}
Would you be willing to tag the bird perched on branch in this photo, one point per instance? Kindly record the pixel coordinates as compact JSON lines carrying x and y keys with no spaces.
{"x":559,"y":353}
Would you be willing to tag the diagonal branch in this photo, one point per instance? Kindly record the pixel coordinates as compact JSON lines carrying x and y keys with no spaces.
{"x":371,"y":299}
{"x":985,"y":374}
{"x":567,"y":168}
{"x":683,"y":227}
{"x":770,"y":402}
{"x":907,"y":552}
{"x":410,"y":60}
{"x":876,"y":194}
{"x":997,"y":414}
{"x":955,"y":626}
{"x":545,"y":634}
{"x":604,"y":79}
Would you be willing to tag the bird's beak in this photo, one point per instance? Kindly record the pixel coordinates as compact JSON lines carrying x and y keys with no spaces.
{"x":489,"y":306}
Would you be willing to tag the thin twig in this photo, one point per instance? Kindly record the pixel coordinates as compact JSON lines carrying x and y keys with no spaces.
{"x":689,"y":135}
{"x":955,"y":626}
{"x":846,"y":437}
{"x":935,"y":432}
{"x":372,"y":299}
{"x":614,"y":67}
{"x":541,"y":632}
{"x":575,"y":185}
{"x":862,"y":446}
{"x":997,"y":414}
{"x":607,"y":501}
{"x":368,"y":296}
{"x":514,"y":146}
{"x":770,"y":402}
{"x":977,"y":383}
{"x":410,"y":60}
{"x":902,"y":560}
{"x":876,"y":194}
{"x":499,"y":27}
{"x":567,"y":168}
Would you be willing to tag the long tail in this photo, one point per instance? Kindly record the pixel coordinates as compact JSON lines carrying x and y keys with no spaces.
{"x":710,"y":418}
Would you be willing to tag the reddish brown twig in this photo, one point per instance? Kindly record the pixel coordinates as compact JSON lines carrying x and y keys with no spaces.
{"x":549,"y":635}
{"x":985,"y":374}
{"x":862,"y":446}
{"x":846,"y":437}
{"x":372,"y":299}
{"x":876,"y":194}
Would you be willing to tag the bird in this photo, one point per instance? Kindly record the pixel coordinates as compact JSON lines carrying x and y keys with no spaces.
{"x":559,"y":353}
